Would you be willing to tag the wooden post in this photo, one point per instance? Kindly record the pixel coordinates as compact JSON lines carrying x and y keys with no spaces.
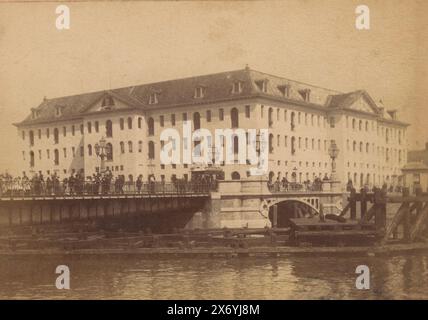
{"x":353,"y":202}
{"x":406,"y":216}
{"x":363,"y":203}
{"x":31,"y":213}
{"x":322,"y":217}
{"x":10,"y":209}
{"x":380,"y":210}
{"x":50,"y":214}
{"x":275,"y":216}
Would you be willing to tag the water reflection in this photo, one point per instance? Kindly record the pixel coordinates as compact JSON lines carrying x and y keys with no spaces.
{"x":131,"y":277}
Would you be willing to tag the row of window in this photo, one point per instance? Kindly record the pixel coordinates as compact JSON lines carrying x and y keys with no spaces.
{"x":361,"y":179}
{"x":314,"y":144}
{"x":384,"y":132}
{"x":380,"y":150}
{"x":90,"y":151}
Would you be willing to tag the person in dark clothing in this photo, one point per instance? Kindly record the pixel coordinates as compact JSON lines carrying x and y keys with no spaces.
{"x":139,"y":183}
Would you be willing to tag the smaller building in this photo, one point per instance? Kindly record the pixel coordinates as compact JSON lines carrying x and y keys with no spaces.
{"x":415,"y":172}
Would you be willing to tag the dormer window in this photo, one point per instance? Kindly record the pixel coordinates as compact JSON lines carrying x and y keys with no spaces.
{"x":285,"y":90}
{"x":34,"y":113}
{"x":237,"y":87}
{"x":153,"y":98}
{"x":107,"y":103}
{"x":58,"y":111}
{"x":262,"y":84}
{"x":305,"y":93}
{"x":199,"y":92}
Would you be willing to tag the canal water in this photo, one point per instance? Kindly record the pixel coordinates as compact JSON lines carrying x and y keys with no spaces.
{"x":133,"y":277}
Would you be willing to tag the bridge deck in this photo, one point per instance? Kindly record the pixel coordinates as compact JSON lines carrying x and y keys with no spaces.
{"x":104,"y":196}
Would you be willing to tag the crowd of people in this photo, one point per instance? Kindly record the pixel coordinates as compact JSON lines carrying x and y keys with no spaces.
{"x":98,"y":183}
{"x":285,"y":185}
{"x":107,"y":183}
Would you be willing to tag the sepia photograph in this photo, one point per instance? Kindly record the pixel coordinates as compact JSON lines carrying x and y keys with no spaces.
{"x":240,"y":151}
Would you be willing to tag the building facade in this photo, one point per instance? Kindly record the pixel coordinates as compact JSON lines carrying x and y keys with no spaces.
{"x":59,"y":136}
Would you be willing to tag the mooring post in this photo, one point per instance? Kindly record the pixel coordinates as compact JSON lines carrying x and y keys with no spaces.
{"x":275,"y":216}
{"x":406,"y":216}
{"x":353,"y":203}
{"x":322,"y":216}
{"x":380,"y":213}
{"x":363,"y":203}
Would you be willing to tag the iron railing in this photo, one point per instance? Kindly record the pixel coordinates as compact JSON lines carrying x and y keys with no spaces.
{"x":294,"y":187}
{"x":82,"y":188}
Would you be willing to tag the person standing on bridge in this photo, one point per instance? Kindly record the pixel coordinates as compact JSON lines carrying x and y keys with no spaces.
{"x":139,"y":183}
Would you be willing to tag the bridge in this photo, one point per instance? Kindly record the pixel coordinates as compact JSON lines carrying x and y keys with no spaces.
{"x":159,"y":206}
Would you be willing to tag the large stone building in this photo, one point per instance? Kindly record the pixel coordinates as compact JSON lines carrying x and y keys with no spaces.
{"x":60,"y":134}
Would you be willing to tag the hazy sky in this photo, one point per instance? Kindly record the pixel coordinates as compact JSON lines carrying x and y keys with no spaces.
{"x":115,"y":44}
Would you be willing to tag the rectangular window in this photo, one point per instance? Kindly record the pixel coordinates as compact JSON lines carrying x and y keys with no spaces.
{"x":247,"y":112}
{"x":332,"y":124}
{"x":81,"y":129}
{"x":97,"y":126}
{"x":65,"y":152}
{"x":40,"y":133}
{"x":185,"y":116}
{"x":82,"y":151}
{"x":173,"y":119}
{"x":221,"y":114}
{"x":64,"y":131}
{"x":208,"y":115}
{"x":40,"y":154}
{"x":72,"y":130}
{"x":89,"y":127}
{"x":161,"y":120}
{"x":73,"y":151}
{"x":48,"y":154}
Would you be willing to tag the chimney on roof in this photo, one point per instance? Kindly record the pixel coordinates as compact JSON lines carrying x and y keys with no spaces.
{"x":45,"y":98}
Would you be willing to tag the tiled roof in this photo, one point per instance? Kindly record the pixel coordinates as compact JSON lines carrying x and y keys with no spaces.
{"x":217,"y":87}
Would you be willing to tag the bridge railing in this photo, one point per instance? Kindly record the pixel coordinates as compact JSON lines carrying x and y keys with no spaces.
{"x":91,"y":188}
{"x":294,"y":187}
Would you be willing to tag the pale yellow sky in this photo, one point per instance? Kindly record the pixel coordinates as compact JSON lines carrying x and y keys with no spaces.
{"x":115,"y":44}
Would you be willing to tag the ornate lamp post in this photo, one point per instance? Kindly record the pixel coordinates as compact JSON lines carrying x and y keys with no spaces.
{"x":333,"y":152}
{"x":101,"y":151}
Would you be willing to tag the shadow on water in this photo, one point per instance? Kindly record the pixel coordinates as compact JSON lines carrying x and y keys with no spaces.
{"x":132,"y":277}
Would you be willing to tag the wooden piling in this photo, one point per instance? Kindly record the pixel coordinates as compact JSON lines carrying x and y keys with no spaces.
{"x":363,"y":203}
{"x":353,"y":203}
{"x":275,"y":216}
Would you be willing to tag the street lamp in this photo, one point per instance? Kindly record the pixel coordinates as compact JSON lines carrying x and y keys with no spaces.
{"x":101,"y":151}
{"x":333,"y":152}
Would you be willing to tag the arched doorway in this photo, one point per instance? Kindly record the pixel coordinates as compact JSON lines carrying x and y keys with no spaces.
{"x":236,"y":176}
{"x":109,"y":152}
{"x":291,"y":208}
